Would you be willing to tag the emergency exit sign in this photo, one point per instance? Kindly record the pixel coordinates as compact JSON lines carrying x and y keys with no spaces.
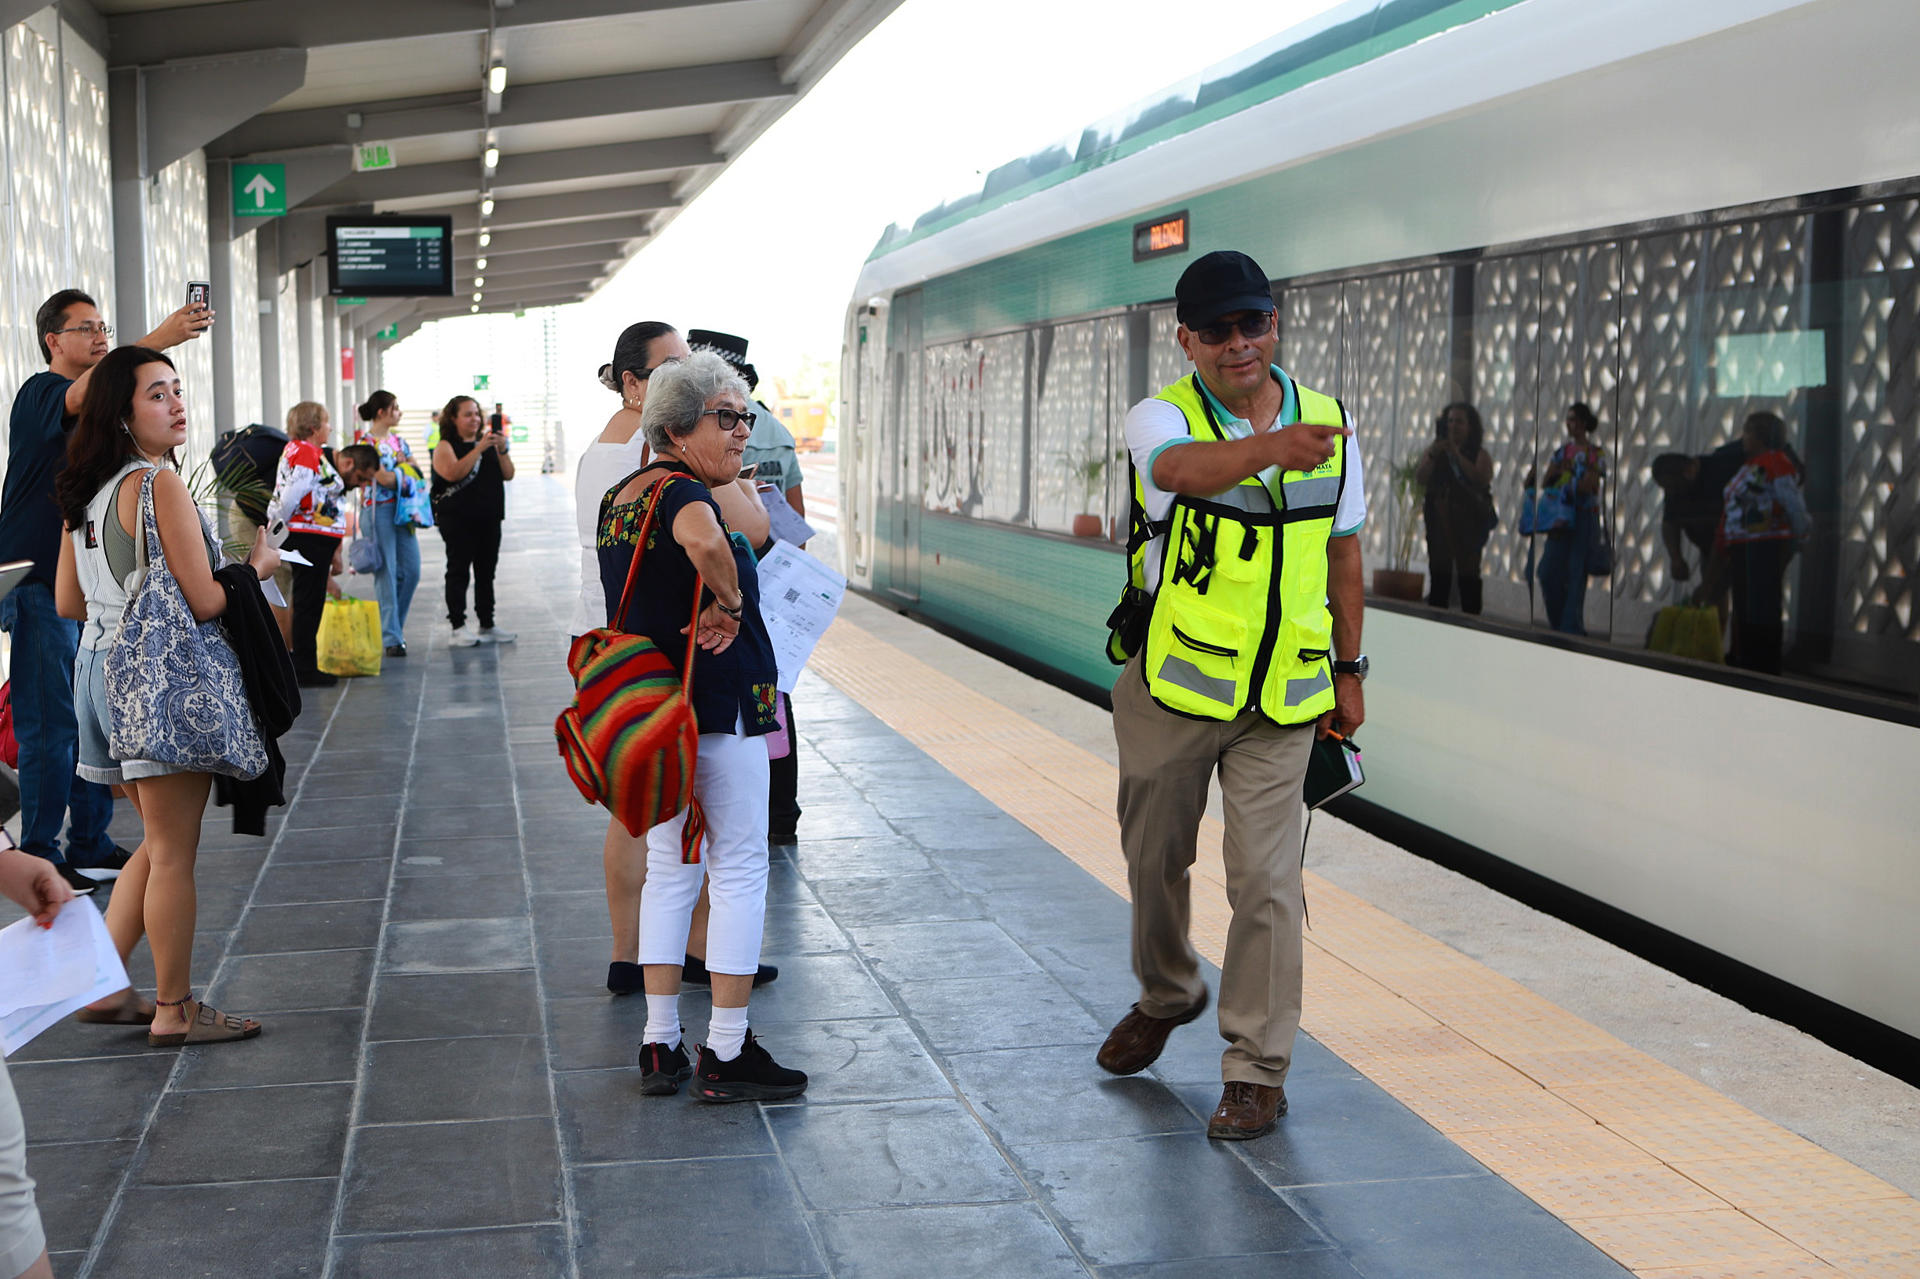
{"x":389,"y":333}
{"x":259,"y":190}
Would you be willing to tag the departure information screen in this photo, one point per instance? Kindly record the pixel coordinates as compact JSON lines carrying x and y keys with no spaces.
{"x":390,"y":257}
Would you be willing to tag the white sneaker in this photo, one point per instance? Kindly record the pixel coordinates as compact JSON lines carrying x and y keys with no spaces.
{"x":465,"y":637}
{"x":494,"y":635}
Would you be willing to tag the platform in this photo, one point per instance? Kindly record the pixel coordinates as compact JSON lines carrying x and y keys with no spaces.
{"x":444,"y":1087}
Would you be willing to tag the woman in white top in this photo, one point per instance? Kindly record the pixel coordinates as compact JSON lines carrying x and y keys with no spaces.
{"x":132,"y":420}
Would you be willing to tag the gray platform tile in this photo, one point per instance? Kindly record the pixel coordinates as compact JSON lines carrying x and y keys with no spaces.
{"x":325,"y":881}
{"x":310,"y":818}
{"x":528,"y":1252}
{"x":337,"y":844}
{"x":447,"y":1005}
{"x":571,"y":916}
{"x":885,"y":855}
{"x":570,"y":870}
{"x":980,"y":1241}
{"x":390,"y":754}
{"x":454,"y":821}
{"x":229,"y":865}
{"x":458,"y":1176}
{"x":894,"y":1154}
{"x":70,"y":1039}
{"x":785,"y":885}
{"x":1163,"y":1198}
{"x":868,"y":1059}
{"x":209,"y":952}
{"x":459,"y":897}
{"x":273,"y":930}
{"x":596,"y":1032}
{"x":67,"y":1265}
{"x":1035,"y":1095}
{"x":980,"y":1014}
{"x":294,"y":1048}
{"x":1098,"y":973}
{"x":912,"y":801}
{"x":925,"y":952}
{"x":243,"y":1230}
{"x":605,"y":1119}
{"x":894,"y":899}
{"x":418,"y":1080}
{"x":354,"y":783}
{"x":1450,"y":1228}
{"x":75,"y":1183}
{"x":219,"y":903}
{"x":459,"y":945}
{"x":105,"y":1099}
{"x":967,"y":834}
{"x":252,"y":985}
{"x":841,"y":821}
{"x":247,"y":1134}
{"x":820,"y":988}
{"x":437,"y":858}
{"x":573,"y":967}
{"x":799,"y":928}
{"x":730,"y":1219}
{"x":1267,"y":1265}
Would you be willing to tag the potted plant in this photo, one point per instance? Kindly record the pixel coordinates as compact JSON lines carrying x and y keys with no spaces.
{"x":1397,"y":581}
{"x":1091,"y":472}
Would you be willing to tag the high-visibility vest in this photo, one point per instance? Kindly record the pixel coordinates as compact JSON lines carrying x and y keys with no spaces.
{"x":1239,"y":621}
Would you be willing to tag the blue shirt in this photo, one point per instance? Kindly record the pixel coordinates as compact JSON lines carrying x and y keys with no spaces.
{"x":36,"y":454}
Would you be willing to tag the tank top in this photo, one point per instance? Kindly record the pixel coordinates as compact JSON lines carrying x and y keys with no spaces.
{"x":106,"y":592}
{"x":598,"y":469}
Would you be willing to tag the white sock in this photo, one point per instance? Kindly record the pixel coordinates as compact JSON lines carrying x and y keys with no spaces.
{"x":663,"y":1020}
{"x":727,"y":1032}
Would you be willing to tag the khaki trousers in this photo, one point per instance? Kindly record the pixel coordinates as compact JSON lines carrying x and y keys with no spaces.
{"x":1166,"y":761}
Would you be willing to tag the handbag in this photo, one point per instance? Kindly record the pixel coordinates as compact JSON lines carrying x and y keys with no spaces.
{"x":364,"y":555}
{"x":348,"y":641}
{"x":630,"y":740}
{"x":411,"y":506}
{"x":9,"y":744}
{"x":173,"y":682}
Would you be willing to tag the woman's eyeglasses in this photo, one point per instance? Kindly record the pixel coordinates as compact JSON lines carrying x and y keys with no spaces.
{"x":1253,"y":324}
{"x":728,"y":419}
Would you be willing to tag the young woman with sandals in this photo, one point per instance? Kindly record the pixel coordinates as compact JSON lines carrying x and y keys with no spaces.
{"x":131,"y":422}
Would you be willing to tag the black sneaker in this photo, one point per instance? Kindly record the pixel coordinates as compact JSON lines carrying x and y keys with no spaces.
{"x":663,"y":1069}
{"x":752,"y":1076}
{"x":79,"y":883}
{"x":396,"y":650}
{"x":317,"y":679}
{"x":624,"y":978}
{"x":104,"y":868}
{"x":694,"y":973}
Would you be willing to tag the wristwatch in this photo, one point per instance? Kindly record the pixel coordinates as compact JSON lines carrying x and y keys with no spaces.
{"x":1358,"y":666}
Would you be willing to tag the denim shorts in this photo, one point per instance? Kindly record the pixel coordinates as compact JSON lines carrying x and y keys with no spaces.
{"x":90,"y":707}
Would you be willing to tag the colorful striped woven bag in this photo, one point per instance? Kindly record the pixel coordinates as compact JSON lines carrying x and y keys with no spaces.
{"x":629,"y":740}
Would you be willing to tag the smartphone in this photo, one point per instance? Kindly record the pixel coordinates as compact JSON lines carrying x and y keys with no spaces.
{"x":199,"y":293}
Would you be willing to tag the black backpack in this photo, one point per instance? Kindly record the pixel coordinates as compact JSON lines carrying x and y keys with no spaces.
{"x":245,"y":464}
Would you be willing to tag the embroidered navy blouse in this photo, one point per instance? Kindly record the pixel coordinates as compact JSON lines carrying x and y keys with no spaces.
{"x":735,"y":690}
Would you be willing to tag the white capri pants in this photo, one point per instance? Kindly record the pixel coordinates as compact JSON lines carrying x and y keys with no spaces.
{"x":21,"y":1238}
{"x":730,"y":782}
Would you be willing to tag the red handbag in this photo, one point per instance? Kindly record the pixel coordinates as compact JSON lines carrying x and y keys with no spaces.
{"x":630,"y":740}
{"x":9,"y":744}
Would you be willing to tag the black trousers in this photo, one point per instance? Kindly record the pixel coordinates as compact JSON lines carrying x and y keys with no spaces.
{"x":309,"y":595}
{"x":1757,"y":572}
{"x":473,"y":548}
{"x":783,"y":781}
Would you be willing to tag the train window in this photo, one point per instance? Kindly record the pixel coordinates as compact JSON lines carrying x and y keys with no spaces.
{"x":1071,"y":453}
{"x":976,"y":441}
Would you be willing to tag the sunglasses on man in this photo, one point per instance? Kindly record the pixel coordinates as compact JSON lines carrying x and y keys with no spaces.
{"x":1252,"y":324}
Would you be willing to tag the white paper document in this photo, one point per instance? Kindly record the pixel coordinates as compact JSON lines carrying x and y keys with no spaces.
{"x":46,"y":973}
{"x":294,"y":557}
{"x":788,"y":524}
{"x":798,"y":597}
{"x":271,"y":590}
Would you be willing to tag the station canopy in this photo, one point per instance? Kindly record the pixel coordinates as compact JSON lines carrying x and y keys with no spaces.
{"x":602,"y":118}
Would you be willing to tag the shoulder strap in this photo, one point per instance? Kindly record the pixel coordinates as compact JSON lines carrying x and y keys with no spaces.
{"x":633,"y":576}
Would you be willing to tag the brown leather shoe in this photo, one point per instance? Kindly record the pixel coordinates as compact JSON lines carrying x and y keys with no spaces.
{"x":1135,"y":1043}
{"x":1246,"y":1111}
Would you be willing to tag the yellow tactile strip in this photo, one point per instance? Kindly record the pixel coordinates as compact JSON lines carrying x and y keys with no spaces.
{"x":1667,"y":1176}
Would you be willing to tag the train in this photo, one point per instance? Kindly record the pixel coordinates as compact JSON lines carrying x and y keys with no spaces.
{"x":1678,"y":215}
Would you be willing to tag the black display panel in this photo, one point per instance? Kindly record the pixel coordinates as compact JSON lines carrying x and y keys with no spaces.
{"x":390,"y":256}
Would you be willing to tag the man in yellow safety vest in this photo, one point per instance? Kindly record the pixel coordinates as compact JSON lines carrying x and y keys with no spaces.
{"x":1240,"y":634}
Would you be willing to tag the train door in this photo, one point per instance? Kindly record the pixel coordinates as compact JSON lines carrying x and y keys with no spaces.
{"x":862,"y":370}
{"x":905,"y":481}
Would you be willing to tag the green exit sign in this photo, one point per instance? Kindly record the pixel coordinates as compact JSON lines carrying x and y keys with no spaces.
{"x":349,"y":301}
{"x":389,"y":333}
{"x":259,"y":190}
{"x":480,"y":381}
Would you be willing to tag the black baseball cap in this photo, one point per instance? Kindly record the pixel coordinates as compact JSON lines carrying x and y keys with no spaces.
{"x":1218,"y":284}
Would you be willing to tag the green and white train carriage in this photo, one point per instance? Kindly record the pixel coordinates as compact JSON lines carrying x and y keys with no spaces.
{"x":1679,"y":213}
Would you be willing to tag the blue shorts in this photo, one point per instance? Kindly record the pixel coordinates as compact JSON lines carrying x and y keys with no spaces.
{"x":90,"y":707}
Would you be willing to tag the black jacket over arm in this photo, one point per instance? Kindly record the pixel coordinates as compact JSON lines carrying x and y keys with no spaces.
{"x":272,"y":691}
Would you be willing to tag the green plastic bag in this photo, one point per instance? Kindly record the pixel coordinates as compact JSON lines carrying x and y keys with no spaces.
{"x":349,"y":639}
{"x":1685,"y":631}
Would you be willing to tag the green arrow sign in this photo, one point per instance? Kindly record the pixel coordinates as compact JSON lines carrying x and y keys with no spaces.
{"x":480,"y":381}
{"x":349,"y":301}
{"x":259,"y":190}
{"x":389,"y":333}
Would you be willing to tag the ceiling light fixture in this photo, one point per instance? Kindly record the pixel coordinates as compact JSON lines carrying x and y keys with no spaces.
{"x":486,"y":238}
{"x":476,"y":297}
{"x":491,"y":159}
{"x":474,"y":310}
{"x":480,"y":265}
{"x":479,"y":280}
{"x":497,"y":78}
{"x":486,"y":206}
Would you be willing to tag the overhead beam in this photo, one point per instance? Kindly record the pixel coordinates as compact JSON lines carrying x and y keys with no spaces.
{"x":160,"y":35}
{"x":583,"y":207}
{"x":593,"y":255}
{"x":566,"y":235}
{"x":715,"y":84}
{"x":182,"y":115}
{"x":528,"y":281}
{"x":462,"y":177}
{"x":493,"y":305}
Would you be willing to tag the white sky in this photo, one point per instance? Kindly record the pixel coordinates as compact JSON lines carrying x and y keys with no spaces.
{"x":939,"y":94}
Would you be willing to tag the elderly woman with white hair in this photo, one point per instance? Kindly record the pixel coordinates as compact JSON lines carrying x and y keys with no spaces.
{"x":696,"y":422}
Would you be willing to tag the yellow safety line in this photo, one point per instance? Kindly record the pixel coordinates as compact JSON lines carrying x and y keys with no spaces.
{"x":1664,"y":1174}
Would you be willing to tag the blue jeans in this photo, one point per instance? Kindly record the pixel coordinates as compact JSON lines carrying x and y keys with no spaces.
{"x":399,"y":573}
{"x":44,"y":646}
{"x":1563,"y":575}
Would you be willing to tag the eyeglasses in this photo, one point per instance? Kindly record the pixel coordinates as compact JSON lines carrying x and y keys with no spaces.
{"x":90,"y":329}
{"x":1253,"y":324}
{"x":644,"y":374}
{"x":728,"y":419}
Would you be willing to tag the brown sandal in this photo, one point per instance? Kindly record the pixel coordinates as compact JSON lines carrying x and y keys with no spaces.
{"x":208,"y":1026}
{"x":130,"y":1011}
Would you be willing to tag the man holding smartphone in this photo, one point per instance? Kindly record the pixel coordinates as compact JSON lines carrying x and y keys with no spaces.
{"x":73,"y":338}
